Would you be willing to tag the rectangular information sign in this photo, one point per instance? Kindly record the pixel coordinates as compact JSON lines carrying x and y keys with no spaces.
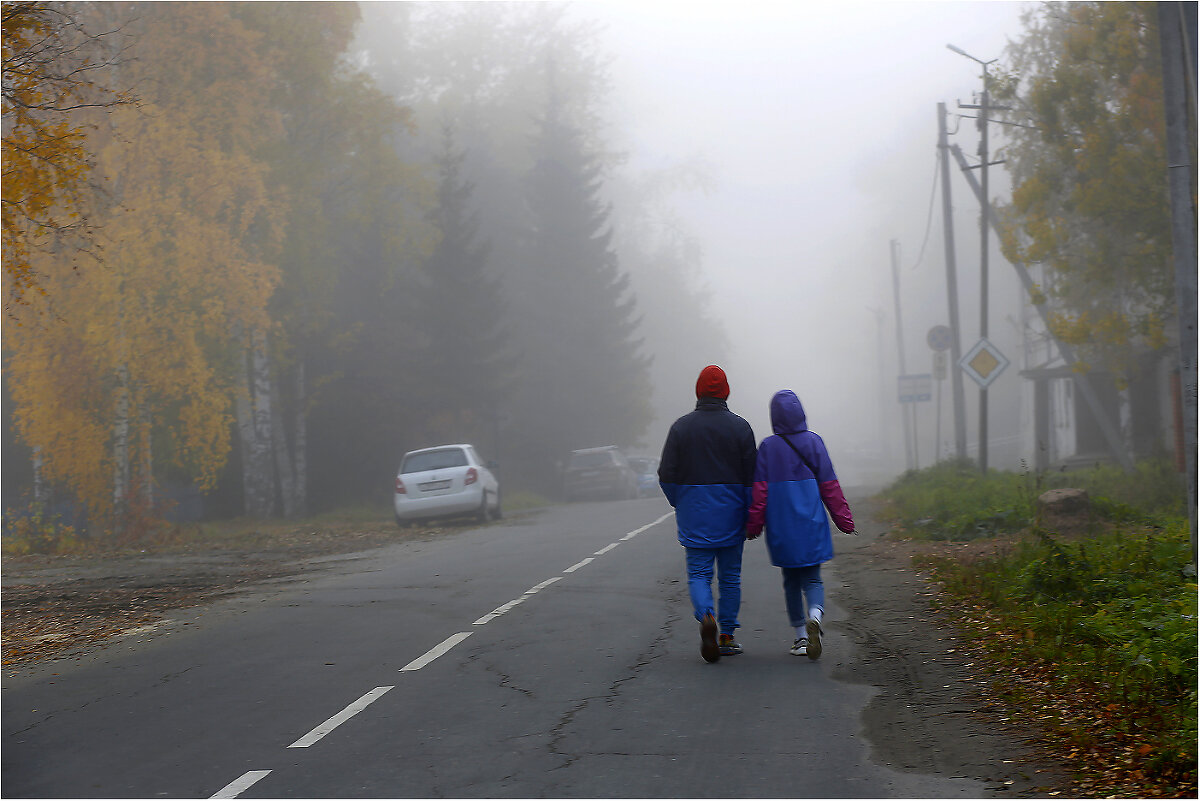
{"x":915,"y":387}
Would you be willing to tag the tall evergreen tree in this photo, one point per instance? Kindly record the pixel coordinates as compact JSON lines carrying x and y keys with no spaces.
{"x":584,"y":380}
{"x":462,"y":314}
{"x":665,"y":262}
{"x":366,"y":374}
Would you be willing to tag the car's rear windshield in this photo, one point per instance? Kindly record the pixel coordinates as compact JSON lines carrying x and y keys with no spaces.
{"x":434,"y":460}
{"x":593,"y":459}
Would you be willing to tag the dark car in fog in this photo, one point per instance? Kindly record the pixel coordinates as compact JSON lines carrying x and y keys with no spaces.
{"x":599,"y":473}
{"x":646,"y":469}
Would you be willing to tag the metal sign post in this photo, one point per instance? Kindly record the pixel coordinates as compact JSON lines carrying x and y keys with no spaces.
{"x":914,"y":389}
{"x":939,"y":338}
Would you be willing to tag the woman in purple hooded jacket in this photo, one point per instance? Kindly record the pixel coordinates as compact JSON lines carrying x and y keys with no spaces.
{"x":794,"y":484}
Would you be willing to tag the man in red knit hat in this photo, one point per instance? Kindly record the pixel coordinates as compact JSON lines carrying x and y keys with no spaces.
{"x":707,"y":472}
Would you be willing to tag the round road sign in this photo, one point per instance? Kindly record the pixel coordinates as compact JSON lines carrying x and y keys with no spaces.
{"x":939,"y":337}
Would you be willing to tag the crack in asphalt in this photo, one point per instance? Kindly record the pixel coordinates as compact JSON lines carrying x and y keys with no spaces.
{"x":647,"y":657}
{"x":51,"y":715}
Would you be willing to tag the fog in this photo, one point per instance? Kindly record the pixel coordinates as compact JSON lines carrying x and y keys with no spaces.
{"x":443,"y":271}
{"x":816,"y":127}
{"x":818,"y":121}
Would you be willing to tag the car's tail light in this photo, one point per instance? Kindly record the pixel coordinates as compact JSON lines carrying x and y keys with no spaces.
{"x":472,"y":477}
{"x":400,"y":490}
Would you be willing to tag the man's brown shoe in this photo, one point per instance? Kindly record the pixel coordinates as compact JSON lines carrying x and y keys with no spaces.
{"x":709,"y":649}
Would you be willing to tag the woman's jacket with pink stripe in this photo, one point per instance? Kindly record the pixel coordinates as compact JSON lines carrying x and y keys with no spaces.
{"x":791,"y":493}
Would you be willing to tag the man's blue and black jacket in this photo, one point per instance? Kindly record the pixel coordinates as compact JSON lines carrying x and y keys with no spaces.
{"x":706,"y":472}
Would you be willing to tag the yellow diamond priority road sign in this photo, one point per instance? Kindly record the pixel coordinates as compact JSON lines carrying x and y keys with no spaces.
{"x":983,"y":363}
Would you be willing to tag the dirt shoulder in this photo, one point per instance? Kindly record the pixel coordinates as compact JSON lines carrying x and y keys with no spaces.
{"x":934,"y":711}
{"x":61,"y":607}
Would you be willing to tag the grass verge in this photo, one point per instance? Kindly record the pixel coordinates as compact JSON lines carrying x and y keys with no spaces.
{"x":1092,"y":635}
{"x":39,"y":532}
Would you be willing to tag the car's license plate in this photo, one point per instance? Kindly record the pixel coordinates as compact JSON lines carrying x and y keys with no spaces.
{"x":434,"y":485}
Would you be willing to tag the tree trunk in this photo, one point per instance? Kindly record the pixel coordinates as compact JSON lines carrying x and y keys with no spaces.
{"x":291,"y":462}
{"x":283,"y":465}
{"x":121,"y":442}
{"x":243,"y":408}
{"x":300,"y":447}
{"x":146,"y":481}
{"x":263,"y":496}
{"x":40,"y":496}
{"x":254,"y":426}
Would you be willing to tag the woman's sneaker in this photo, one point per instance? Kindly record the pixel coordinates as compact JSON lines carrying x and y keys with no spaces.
{"x":708,"y":639}
{"x":813,"y":629}
{"x":799,"y":647}
{"x":729,"y":646}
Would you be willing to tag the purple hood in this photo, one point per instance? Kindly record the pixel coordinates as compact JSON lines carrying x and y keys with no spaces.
{"x":787,"y":415}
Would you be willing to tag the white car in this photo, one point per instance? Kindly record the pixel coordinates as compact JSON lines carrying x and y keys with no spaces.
{"x":446,"y":481}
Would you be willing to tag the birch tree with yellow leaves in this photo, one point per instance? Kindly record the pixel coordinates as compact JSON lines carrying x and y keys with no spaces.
{"x":52,"y":71}
{"x":115,"y":368}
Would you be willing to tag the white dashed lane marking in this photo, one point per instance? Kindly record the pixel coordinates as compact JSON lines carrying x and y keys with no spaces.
{"x":539,"y":587}
{"x":248,"y":779}
{"x":498,"y":611}
{"x":436,"y":651}
{"x":340,"y":718}
{"x":240,"y":784}
{"x":578,"y":565}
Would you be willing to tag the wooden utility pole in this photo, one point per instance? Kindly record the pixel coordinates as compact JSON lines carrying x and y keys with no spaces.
{"x":982,"y":122}
{"x":956,"y":378}
{"x":908,"y":445}
{"x":1108,"y":426}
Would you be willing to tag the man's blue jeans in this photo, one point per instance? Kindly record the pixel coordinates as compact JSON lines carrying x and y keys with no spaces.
{"x":728,"y":562}
{"x":802,"y":590}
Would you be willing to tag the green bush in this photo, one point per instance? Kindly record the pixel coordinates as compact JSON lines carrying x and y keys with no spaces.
{"x":954,"y":501}
{"x":1114,"y":612}
{"x":38,"y":531}
{"x":1154,"y":488}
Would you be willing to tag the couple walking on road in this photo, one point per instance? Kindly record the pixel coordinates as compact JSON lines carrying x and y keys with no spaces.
{"x":725,"y":492}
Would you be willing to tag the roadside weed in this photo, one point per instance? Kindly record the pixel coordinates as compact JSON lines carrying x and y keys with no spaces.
{"x":1104,"y":623}
{"x":39,"y":531}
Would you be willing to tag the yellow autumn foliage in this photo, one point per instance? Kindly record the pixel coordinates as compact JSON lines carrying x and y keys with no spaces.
{"x":46,"y":162}
{"x":1089,"y":199}
{"x":146,"y":342}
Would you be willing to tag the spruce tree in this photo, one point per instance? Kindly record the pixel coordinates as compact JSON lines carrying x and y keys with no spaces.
{"x":462,"y":313}
{"x":584,"y":381}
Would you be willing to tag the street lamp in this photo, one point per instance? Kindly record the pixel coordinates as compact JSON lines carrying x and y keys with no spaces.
{"x":962,"y":52}
{"x":983,"y":239}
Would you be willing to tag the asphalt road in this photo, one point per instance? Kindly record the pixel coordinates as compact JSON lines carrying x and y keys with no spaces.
{"x":553,"y":655}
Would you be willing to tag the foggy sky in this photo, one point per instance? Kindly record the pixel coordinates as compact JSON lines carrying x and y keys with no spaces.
{"x":819,"y":121}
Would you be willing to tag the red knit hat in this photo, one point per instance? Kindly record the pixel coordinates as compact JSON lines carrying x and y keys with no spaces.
{"x":712,"y":383}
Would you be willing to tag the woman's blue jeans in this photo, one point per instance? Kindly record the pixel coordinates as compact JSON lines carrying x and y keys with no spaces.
{"x":802,"y":589}
{"x":728,"y":562}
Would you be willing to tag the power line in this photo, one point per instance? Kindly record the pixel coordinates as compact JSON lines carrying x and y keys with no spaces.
{"x":937,"y":165}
